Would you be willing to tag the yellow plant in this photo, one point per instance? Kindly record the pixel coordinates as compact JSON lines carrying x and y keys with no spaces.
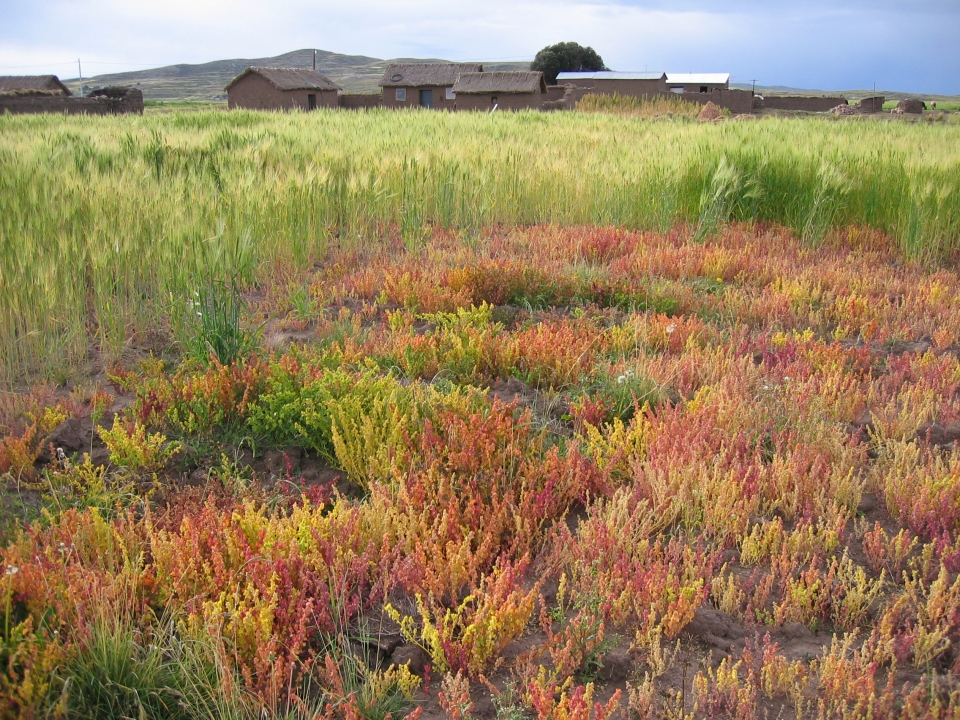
{"x":727,"y":594}
{"x":368,"y":438}
{"x":132,"y":448}
{"x":477,"y":316}
{"x":474,"y":633}
{"x":615,"y":446}
{"x":858,"y":594}
{"x":379,"y":683}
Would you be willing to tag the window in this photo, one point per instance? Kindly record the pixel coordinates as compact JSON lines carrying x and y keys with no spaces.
{"x":401,"y":94}
{"x":493,"y":100}
{"x":703,"y":88}
{"x":677,"y":90}
{"x":451,"y":95}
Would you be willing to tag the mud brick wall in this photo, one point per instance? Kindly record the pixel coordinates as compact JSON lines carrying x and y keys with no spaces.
{"x":505,"y":101}
{"x":440,"y":101}
{"x":872,"y":104}
{"x":358,"y":101}
{"x":563,"y":97}
{"x":805,"y":104}
{"x":131,"y":102}
{"x":255,"y":92}
{"x":738,"y":102}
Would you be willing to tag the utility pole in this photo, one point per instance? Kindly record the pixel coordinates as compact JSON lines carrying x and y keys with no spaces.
{"x":754,"y":86}
{"x":81,"y":77}
{"x":314,"y":60}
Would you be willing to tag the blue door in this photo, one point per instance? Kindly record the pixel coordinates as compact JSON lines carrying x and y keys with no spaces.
{"x":426,"y":98}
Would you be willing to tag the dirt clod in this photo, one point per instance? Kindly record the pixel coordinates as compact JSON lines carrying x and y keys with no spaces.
{"x":73,"y":435}
{"x":617,"y":666}
{"x":940,"y":435}
{"x":412,"y":655}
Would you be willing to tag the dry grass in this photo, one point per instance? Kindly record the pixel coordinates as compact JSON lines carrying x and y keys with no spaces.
{"x":644,"y":107}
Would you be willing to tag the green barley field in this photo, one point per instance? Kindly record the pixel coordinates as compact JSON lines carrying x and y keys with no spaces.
{"x":107,"y":224}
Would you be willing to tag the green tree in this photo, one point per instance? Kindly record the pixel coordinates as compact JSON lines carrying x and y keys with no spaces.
{"x":566,"y":57}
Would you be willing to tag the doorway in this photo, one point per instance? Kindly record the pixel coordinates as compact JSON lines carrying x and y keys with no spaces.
{"x":426,"y":98}
{"x":311,"y":102}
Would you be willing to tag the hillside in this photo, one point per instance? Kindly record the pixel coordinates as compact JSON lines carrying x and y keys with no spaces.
{"x":851,"y":95}
{"x":205,"y":82}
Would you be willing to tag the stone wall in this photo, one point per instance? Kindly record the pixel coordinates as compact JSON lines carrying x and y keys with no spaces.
{"x":117,"y":101}
{"x":803,"y":104}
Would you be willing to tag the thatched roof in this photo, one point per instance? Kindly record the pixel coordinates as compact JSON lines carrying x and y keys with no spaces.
{"x":289,"y":78}
{"x":426,"y":74}
{"x":49,"y":83}
{"x":500,"y":82}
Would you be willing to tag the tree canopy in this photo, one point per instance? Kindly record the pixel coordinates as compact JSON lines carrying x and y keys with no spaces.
{"x":566,"y":57}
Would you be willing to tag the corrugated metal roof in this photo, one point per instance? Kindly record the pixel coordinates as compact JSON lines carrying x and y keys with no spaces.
{"x":500,"y":82}
{"x":695,"y":78}
{"x":426,"y":74}
{"x":10,"y":83}
{"x":609,"y":75}
{"x":290,"y":78}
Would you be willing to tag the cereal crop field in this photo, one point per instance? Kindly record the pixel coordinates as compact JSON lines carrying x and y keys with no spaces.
{"x":569,"y":415}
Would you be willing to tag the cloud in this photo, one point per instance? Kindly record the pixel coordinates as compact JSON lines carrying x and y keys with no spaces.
{"x":838,"y":44}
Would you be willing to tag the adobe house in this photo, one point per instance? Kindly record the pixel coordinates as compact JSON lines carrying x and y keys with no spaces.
{"x":698,"y":82}
{"x":501,"y":90}
{"x":260,"y":88}
{"x":33,"y":84}
{"x":608,"y":82}
{"x":428,"y":85}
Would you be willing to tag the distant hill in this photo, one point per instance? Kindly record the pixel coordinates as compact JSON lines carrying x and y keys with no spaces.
{"x":205,"y":82}
{"x":851,"y":95}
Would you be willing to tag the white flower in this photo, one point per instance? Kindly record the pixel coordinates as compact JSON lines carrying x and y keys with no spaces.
{"x":12,"y":570}
{"x":621,"y":379}
{"x":671,"y":327}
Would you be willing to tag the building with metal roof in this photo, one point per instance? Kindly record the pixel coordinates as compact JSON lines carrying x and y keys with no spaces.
{"x":698,"y":82}
{"x":609,"y":82}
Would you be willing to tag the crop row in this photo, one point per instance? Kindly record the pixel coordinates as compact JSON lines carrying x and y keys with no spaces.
{"x":105,"y":221}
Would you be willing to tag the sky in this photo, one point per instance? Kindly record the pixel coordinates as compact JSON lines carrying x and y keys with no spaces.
{"x":902,"y":45}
